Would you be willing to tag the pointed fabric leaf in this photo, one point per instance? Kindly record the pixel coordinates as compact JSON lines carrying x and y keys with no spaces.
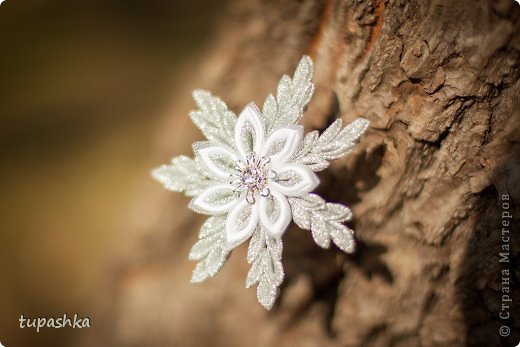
{"x":213,"y":118}
{"x":267,"y":268}
{"x":275,"y":247}
{"x":312,"y":201}
{"x":332,"y":144}
{"x":278,"y":273}
{"x":329,"y":134}
{"x":284,"y":90}
{"x":315,"y":162}
{"x":269,"y":110}
{"x":182,"y":175}
{"x":302,"y":208}
{"x":324,"y":220}
{"x":209,"y":266}
{"x":202,"y":248}
{"x":209,"y":250}
{"x":320,"y":232}
{"x":301,"y":217}
{"x":200,"y":273}
{"x":309,"y":141}
{"x":255,"y":246}
{"x":292,"y":97}
{"x":354,"y":130}
{"x":302,"y":83}
{"x":212,"y":225}
{"x":215,"y":260}
{"x":339,"y":212}
{"x":303,"y":73}
{"x":254,"y":273}
{"x":343,"y":237}
{"x":266,"y":293}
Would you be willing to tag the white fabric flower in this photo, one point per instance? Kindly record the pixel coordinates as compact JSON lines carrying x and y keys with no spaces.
{"x":254,"y":178}
{"x":255,"y":174}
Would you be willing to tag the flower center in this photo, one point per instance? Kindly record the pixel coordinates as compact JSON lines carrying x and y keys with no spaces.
{"x":252,"y":176}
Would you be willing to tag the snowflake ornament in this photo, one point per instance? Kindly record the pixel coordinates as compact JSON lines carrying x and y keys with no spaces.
{"x":255,"y":174}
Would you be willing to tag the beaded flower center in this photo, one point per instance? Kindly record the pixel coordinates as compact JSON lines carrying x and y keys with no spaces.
{"x":252,"y":176}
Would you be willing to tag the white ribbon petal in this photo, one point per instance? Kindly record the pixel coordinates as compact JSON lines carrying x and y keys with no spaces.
{"x":282,"y":144}
{"x":218,"y":161}
{"x":240,"y":224}
{"x":295,"y":180}
{"x":214,"y":200}
{"x":275,"y":213}
{"x":249,"y":131}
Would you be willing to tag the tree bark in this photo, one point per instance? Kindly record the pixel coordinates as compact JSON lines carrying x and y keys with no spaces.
{"x":439,"y":82}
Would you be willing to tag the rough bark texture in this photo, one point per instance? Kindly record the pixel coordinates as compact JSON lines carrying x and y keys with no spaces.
{"x":439,"y":81}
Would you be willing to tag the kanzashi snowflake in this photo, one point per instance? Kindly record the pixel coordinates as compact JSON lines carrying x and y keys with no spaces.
{"x":255,"y":174}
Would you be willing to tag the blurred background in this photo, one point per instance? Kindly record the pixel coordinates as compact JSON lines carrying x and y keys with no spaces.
{"x":81,"y":86}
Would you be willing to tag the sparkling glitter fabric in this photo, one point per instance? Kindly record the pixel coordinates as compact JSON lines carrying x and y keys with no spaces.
{"x":255,"y":174}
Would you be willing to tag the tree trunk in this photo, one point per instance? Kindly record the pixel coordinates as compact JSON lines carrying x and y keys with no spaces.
{"x":429,"y":184}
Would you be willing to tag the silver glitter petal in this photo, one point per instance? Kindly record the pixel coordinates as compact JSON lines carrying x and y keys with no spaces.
{"x":213,"y":118}
{"x":266,"y":268}
{"x":292,"y":96}
{"x":333,"y":143}
{"x":324,"y":220}
{"x":182,"y":175}
{"x":209,"y":250}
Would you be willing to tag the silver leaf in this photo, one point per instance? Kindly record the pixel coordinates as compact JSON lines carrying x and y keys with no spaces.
{"x":275,"y":247}
{"x":266,"y":293}
{"x":209,"y":266}
{"x":267,"y":269}
{"x":343,"y":237}
{"x":301,"y":217}
{"x":303,"y":73}
{"x":200,"y":273}
{"x":284,"y":91}
{"x":312,"y":201}
{"x":213,"y":118}
{"x":292,"y":96}
{"x":328,"y":135}
{"x":353,"y":131}
{"x":332,"y":144}
{"x":269,"y":112}
{"x":202,"y":248}
{"x":339,"y":212}
{"x":337,"y":151}
{"x":215,"y":260}
{"x":326,"y":226}
{"x":255,"y":246}
{"x":278,"y":273}
{"x":209,"y":250}
{"x":212,"y":225}
{"x":320,"y":231}
{"x":254,"y":273}
{"x":182,"y":175}
{"x":310,"y":141}
{"x":315,"y":162}
{"x":302,"y":82}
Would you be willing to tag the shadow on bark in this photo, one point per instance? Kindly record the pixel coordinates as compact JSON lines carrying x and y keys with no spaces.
{"x":482,"y":282}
